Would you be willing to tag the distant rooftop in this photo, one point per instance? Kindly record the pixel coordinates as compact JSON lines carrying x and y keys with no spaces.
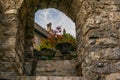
{"x":41,"y":31}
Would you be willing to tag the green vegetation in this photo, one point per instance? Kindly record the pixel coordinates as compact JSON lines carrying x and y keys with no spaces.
{"x":51,"y":42}
{"x":64,"y":44}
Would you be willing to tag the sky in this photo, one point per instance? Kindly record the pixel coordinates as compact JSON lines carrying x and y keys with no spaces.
{"x":57,"y":18}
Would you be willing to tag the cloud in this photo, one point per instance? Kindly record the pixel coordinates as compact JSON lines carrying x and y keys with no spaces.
{"x":57,"y":18}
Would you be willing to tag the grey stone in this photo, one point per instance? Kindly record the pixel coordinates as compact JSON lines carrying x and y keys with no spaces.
{"x":41,"y":78}
{"x":94,"y":19}
{"x":56,"y":78}
{"x":113,"y":76}
{"x":117,"y":66}
{"x":112,"y":54}
{"x":56,"y":67}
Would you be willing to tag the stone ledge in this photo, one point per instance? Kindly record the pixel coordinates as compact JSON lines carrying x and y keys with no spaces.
{"x":56,"y":68}
{"x":47,"y":78}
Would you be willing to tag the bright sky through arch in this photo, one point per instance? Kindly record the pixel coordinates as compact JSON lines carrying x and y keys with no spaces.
{"x":57,"y":18}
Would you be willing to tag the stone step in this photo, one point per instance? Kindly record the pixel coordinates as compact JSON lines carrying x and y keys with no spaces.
{"x":8,"y":69}
{"x":56,"y":68}
{"x":44,"y":78}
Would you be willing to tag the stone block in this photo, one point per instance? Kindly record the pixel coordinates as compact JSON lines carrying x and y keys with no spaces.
{"x":105,"y":41}
{"x":45,"y":78}
{"x":7,"y":66}
{"x":105,"y":67}
{"x":7,"y":75}
{"x":9,"y":43}
{"x":113,"y":76}
{"x":111,"y":53}
{"x":41,"y":78}
{"x":28,"y":68}
{"x":11,"y":11}
{"x":24,"y":77}
{"x":68,"y":78}
{"x":9,"y":56}
{"x":55,"y":78}
{"x":108,"y":2}
{"x":113,"y":8}
{"x":76,"y":78}
{"x":114,"y":16}
{"x":117,"y":65}
{"x":56,"y":68}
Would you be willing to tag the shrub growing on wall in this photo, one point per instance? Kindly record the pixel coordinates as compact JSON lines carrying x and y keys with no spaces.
{"x":51,"y":42}
{"x":56,"y":38}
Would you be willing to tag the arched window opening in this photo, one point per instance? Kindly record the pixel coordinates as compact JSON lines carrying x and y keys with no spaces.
{"x":54,"y":35}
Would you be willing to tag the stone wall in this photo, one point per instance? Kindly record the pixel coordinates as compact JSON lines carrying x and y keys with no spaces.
{"x":45,"y":78}
{"x":56,"y":68}
{"x":97,"y":28}
{"x":27,"y":12}
{"x":26,"y":17}
{"x":11,"y":63}
{"x":99,"y":33}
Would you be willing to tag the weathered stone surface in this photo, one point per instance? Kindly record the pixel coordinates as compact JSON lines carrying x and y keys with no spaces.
{"x":100,"y":43}
{"x":67,"y":78}
{"x":117,"y":66}
{"x":105,"y":67}
{"x":56,"y":67}
{"x":97,"y":28}
{"x":112,"y":54}
{"x":113,"y":76}
{"x":106,"y":54}
{"x":46,"y":78}
{"x":56,"y":78}
{"x":114,"y":16}
{"x":9,"y":69}
{"x":28,"y":68}
{"x":41,"y":78}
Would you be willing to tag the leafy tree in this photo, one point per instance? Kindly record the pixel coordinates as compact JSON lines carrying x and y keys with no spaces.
{"x":51,"y":42}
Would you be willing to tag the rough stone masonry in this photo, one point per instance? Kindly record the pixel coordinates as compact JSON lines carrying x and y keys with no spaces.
{"x":97,"y":28}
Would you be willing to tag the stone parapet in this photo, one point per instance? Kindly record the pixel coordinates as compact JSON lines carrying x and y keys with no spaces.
{"x":56,"y":68}
{"x":45,"y":78}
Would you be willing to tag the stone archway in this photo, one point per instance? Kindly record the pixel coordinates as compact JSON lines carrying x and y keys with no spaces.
{"x":97,"y":30}
{"x":30,"y":18}
{"x":41,"y":5}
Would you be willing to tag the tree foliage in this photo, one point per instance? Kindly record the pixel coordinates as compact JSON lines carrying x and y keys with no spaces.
{"x":51,"y":42}
{"x":56,"y":38}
